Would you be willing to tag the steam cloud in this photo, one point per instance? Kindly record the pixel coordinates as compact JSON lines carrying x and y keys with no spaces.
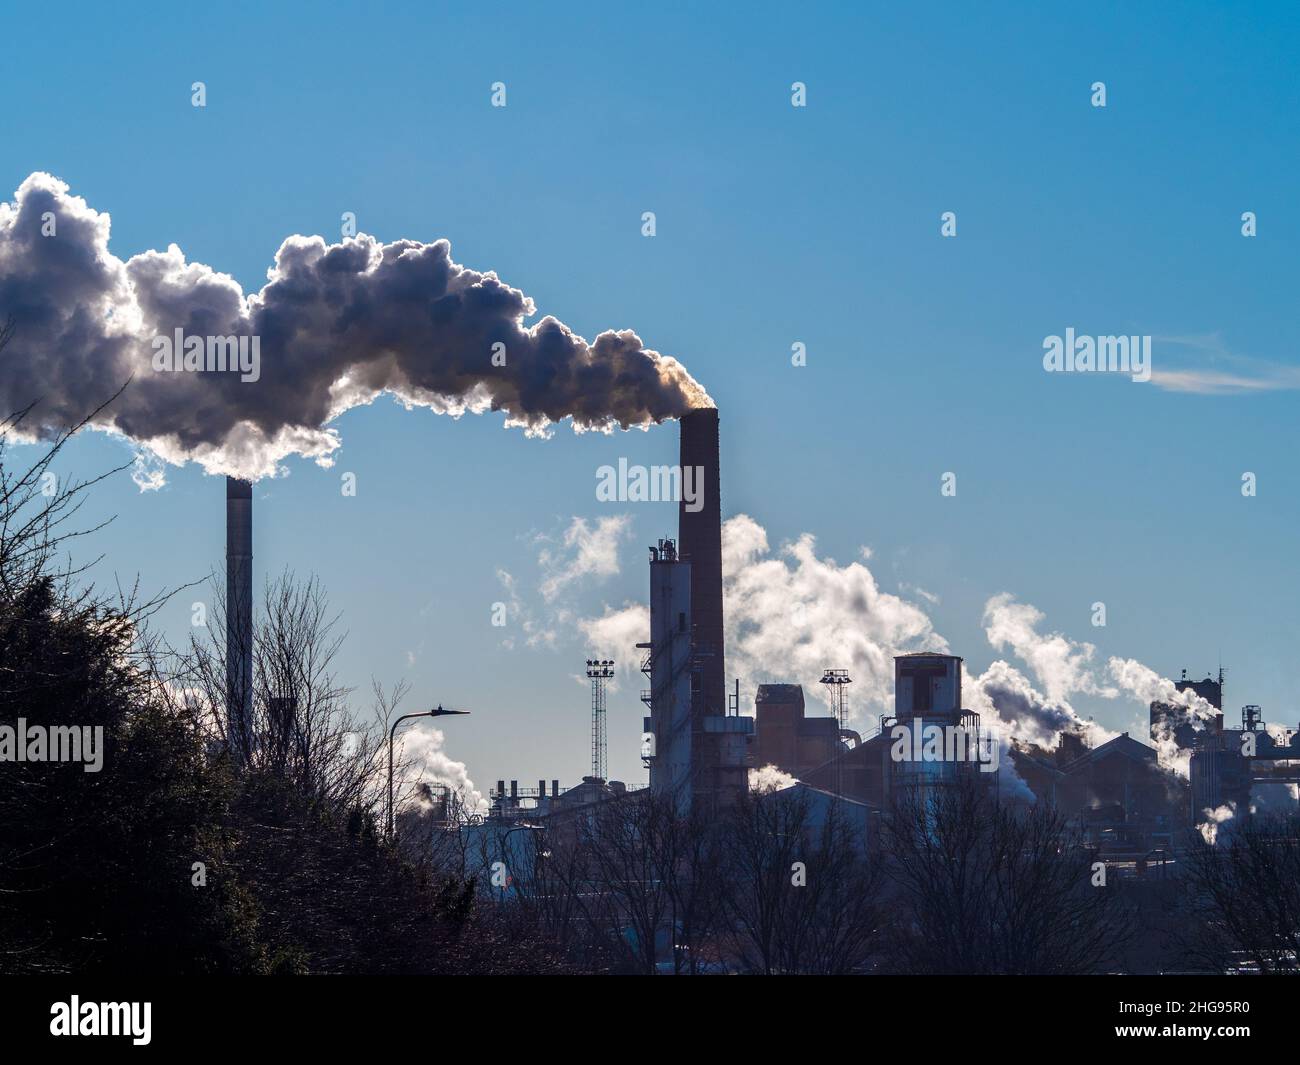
{"x":791,"y":613}
{"x":425,"y":749}
{"x":339,"y":325}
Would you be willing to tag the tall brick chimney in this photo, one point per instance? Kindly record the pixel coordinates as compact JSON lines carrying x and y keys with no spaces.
{"x":699,"y":541}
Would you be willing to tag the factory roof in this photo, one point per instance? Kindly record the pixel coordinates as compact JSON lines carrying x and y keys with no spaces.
{"x":1123,"y":744}
{"x":779,"y":693}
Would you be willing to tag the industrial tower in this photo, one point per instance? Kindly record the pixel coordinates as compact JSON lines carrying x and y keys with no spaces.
{"x":599,"y":671}
{"x":837,"y":680}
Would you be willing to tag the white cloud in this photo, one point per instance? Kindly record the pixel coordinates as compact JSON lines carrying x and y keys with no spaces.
{"x":615,"y":634}
{"x":1209,"y":368}
{"x":792,"y":616}
{"x":585,"y":551}
{"x":1063,"y":666}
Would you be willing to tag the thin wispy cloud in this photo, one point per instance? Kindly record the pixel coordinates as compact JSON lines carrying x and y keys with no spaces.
{"x":1206,"y":367}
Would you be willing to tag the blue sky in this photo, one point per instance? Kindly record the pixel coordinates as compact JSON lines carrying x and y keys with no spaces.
{"x":774,"y":225}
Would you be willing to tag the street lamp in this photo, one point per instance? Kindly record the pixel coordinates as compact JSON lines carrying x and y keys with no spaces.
{"x":437,"y":711}
{"x":523,"y":826}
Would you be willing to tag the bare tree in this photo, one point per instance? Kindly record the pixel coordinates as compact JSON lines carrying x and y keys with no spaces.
{"x":800,"y":893}
{"x":989,"y":889}
{"x":1243,"y":898}
{"x":631,"y":902}
{"x":304,"y":728}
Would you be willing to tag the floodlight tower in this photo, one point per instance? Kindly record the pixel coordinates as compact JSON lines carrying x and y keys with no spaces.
{"x":837,"y":680}
{"x":599,"y":670}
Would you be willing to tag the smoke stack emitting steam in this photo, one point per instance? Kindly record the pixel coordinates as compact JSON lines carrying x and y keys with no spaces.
{"x":338,"y":325}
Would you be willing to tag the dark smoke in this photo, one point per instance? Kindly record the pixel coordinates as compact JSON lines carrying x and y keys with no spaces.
{"x":339,"y":324}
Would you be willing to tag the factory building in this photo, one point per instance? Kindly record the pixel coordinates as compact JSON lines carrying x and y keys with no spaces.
{"x":1173,"y":720}
{"x":899,"y":758}
{"x":1236,"y":767}
{"x":786,"y":737}
{"x":1119,"y":796}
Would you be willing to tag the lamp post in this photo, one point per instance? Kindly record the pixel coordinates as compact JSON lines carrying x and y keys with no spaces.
{"x":437,"y":711}
{"x":523,"y":826}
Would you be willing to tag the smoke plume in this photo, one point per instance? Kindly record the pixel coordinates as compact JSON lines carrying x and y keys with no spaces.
{"x":338,"y":325}
{"x":1209,"y":828}
{"x":425,"y":750}
{"x":1006,"y":697}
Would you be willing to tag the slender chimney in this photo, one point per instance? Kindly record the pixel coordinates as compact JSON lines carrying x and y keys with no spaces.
{"x":239,"y":616}
{"x":699,"y":541}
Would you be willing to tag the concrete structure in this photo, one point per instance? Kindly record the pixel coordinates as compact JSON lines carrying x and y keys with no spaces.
{"x":694,"y":755}
{"x":509,"y":803}
{"x":239,"y":616}
{"x":670,"y":729}
{"x":927,"y":695}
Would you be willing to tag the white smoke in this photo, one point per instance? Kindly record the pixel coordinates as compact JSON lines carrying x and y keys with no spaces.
{"x":1063,"y":666}
{"x":792,"y":616}
{"x":586,"y":551}
{"x":423,"y":749}
{"x":1209,"y":828}
{"x":615,"y":634}
{"x":1147,"y":686}
{"x":1006,"y":697}
{"x":337,"y":324}
{"x":769,"y":779}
